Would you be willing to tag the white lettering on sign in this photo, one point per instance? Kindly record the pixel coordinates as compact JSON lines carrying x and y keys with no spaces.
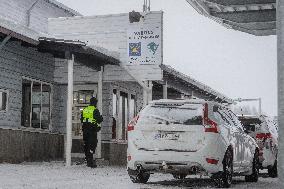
{"x":144,"y":46}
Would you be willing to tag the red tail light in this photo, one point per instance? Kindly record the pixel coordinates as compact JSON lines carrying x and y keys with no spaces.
{"x":212,"y":161}
{"x":132,"y":123}
{"x":263,"y":135}
{"x":210,"y":125}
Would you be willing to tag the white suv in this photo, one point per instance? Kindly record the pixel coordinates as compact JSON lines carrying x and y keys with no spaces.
{"x":264,"y":130}
{"x":185,"y":137}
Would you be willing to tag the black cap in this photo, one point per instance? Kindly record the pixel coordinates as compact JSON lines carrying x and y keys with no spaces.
{"x":93,"y":101}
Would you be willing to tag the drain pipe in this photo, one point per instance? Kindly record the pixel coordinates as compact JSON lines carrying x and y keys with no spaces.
{"x":29,"y":13}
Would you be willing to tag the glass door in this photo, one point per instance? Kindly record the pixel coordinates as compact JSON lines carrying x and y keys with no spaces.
{"x":81,"y":99}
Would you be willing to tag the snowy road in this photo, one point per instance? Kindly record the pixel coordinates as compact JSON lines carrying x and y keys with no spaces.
{"x":56,"y":176}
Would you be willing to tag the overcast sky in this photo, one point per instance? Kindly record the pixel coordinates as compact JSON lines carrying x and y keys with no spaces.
{"x":234,"y":63}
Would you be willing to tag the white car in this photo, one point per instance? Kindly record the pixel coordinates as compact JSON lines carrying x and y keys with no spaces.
{"x":184,"y":137}
{"x":265,"y":131}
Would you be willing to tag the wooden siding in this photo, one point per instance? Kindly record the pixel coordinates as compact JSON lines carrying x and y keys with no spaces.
{"x":17,"y":146}
{"x":109,"y":32}
{"x":15,"y":62}
{"x":16,"y":11}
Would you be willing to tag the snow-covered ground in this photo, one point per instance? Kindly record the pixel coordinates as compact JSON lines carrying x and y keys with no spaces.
{"x":55,"y":176}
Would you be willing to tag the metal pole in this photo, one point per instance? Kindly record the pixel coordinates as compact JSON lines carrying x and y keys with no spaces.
{"x":259,"y":106}
{"x":69,"y":111}
{"x":280,"y":69}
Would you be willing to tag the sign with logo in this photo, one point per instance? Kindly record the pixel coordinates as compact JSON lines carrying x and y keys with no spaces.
{"x":144,"y":46}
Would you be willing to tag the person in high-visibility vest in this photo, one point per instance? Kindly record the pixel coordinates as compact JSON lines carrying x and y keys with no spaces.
{"x":91,"y":118}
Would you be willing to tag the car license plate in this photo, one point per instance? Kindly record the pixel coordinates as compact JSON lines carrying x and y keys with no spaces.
{"x":167,"y":136}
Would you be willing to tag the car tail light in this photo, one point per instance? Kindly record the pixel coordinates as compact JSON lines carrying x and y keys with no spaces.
{"x":263,"y":135}
{"x":210,"y":125}
{"x":212,"y":161}
{"x":132,"y":123}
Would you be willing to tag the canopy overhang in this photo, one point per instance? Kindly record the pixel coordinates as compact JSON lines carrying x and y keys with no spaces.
{"x":84,"y":54}
{"x":257,"y":17}
{"x":188,"y":82}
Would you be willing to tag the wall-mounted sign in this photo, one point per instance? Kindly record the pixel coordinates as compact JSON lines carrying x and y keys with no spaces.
{"x":144,"y":46}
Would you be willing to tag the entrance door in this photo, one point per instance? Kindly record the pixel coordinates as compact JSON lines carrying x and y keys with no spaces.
{"x":81,"y":99}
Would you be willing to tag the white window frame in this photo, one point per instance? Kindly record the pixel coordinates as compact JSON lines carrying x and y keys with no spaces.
{"x":50,"y":106}
{"x":7,"y":100}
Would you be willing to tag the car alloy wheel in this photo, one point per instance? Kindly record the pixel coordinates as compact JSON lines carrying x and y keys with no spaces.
{"x":138,"y":176}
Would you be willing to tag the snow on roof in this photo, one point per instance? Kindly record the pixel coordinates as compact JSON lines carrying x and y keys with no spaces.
{"x":64,"y":7}
{"x":20,"y":31}
{"x":13,"y":28}
{"x":194,"y":82}
{"x":83,"y":49}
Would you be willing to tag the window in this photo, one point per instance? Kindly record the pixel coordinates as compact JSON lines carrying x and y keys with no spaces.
{"x":36,"y":104}
{"x":83,"y":96}
{"x":172,"y":114}
{"x":220,"y":118}
{"x":3,"y":100}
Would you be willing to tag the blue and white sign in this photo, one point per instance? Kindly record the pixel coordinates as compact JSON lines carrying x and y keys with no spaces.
{"x":144,"y":46}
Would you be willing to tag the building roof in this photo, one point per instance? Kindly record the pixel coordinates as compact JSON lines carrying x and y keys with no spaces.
{"x":90,"y":56}
{"x":62,"y":6}
{"x":48,"y":43}
{"x":257,"y":17}
{"x":208,"y":91}
{"x":18,"y":31}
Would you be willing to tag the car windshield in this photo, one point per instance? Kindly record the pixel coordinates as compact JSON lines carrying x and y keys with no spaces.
{"x":165,"y":114}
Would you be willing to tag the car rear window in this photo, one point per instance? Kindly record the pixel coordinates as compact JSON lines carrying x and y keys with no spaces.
{"x":250,"y":123}
{"x":172,"y":114}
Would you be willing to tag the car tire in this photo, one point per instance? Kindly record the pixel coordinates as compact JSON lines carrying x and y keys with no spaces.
{"x":224,"y":180}
{"x":255,"y":169}
{"x":179,"y":176}
{"x":138,"y":176}
{"x":272,"y":171}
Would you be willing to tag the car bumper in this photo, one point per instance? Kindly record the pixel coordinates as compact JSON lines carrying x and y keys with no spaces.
{"x":177,"y":162}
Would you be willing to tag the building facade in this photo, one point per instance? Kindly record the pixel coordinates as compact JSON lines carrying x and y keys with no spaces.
{"x":34,"y":48}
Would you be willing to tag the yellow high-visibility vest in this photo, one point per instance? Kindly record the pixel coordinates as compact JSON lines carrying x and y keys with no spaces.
{"x":88,"y":114}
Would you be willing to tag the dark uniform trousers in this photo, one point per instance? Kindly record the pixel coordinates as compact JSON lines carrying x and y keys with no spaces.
{"x":90,"y":141}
